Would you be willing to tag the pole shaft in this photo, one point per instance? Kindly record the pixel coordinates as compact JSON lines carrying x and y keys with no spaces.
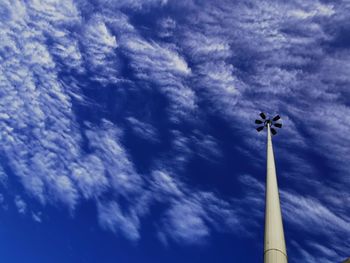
{"x":274,"y":243}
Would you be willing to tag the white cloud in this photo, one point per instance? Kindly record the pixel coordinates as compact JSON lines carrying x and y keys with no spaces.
{"x":2,"y":201}
{"x":166,"y":185}
{"x":90,"y":176}
{"x":113,"y":218}
{"x":307,"y":211}
{"x":164,"y":66}
{"x":119,"y":169}
{"x":40,"y":133}
{"x":315,"y":10}
{"x":192,"y":215}
{"x":54,"y":10}
{"x":201,"y":46}
{"x":37,"y":217}
{"x":100,"y":47}
{"x":3,"y":177}
{"x":36,"y":135}
{"x":21,"y":205}
{"x":185,"y":223}
{"x":167,"y":27}
{"x":133,"y":4}
{"x":142,"y":129}
{"x":156,"y":59}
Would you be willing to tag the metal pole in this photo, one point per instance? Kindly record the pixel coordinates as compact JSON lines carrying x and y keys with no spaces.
{"x":274,"y":243}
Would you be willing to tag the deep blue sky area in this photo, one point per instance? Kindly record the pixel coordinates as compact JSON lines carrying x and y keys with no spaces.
{"x":127,"y":129}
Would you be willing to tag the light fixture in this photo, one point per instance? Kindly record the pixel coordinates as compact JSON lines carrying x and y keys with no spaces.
{"x":266,"y":122}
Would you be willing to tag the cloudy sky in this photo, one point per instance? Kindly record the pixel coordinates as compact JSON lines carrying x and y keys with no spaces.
{"x":127,"y":129}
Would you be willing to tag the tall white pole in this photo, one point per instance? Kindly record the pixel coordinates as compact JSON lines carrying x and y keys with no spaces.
{"x":274,"y":243}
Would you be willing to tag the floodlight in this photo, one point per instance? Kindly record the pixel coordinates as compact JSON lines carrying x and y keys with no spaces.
{"x":278,"y":125}
{"x":273,"y":131}
{"x":276,"y":118}
{"x":267,"y":122}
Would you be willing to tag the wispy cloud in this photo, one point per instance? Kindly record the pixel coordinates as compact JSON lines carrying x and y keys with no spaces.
{"x":185,"y":224}
{"x":113,"y":218}
{"x":21,"y":205}
{"x":133,"y":4}
{"x":192,"y":215}
{"x":37,"y":217}
{"x":143,"y":130}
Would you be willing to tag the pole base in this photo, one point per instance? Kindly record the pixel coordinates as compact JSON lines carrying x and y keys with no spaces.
{"x":274,"y":256}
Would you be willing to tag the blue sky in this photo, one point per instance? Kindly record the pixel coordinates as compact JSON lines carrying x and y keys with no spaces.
{"x":127,"y":129}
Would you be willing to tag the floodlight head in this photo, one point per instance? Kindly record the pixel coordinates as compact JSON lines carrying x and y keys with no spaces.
{"x":276,"y":118}
{"x":259,"y":129}
{"x":268,"y":123}
{"x":273,"y":131}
